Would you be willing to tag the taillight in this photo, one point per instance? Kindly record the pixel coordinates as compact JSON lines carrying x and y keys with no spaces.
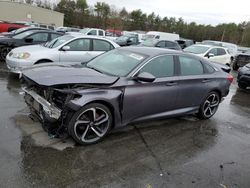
{"x":230,"y":78}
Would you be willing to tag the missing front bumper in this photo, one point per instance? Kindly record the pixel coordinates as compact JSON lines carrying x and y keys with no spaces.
{"x":49,"y":109}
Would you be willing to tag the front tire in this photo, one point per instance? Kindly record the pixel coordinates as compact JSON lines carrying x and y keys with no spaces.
{"x":4,"y":52}
{"x":209,"y":106}
{"x":90,"y":124}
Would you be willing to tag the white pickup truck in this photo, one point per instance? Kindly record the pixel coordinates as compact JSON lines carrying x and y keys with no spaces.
{"x":93,"y":32}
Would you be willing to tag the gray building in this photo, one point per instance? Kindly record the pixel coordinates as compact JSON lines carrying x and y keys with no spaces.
{"x":14,"y":11}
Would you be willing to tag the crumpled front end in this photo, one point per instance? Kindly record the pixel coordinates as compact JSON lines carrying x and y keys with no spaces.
{"x":49,"y":105}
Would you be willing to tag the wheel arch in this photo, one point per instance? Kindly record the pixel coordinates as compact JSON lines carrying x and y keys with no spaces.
{"x":109,"y":106}
{"x":217,"y":91}
{"x":43,"y":61}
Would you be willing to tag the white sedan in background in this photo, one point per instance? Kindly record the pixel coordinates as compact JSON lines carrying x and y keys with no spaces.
{"x":67,"y":48}
{"x":213,"y":53}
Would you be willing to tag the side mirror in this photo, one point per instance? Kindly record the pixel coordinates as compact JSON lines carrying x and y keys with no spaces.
{"x":28,"y":40}
{"x":145,"y":77}
{"x":65,"y":48}
{"x":210,"y":55}
{"x":89,"y":34}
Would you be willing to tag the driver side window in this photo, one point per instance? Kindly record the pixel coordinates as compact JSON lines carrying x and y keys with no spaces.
{"x":160,"y":66}
{"x":213,"y":51}
{"x":79,"y":45}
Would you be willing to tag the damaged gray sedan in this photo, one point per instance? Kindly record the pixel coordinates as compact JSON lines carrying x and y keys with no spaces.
{"x":122,"y":86}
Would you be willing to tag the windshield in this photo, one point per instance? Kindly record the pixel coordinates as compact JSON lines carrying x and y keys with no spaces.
{"x":20,"y":30}
{"x":84,"y":31}
{"x":22,"y":35}
{"x":195,"y":49}
{"x":58,"y":41}
{"x":116,"y":62}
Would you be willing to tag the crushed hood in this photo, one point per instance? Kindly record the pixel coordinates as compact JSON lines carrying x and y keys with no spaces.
{"x":51,"y":75}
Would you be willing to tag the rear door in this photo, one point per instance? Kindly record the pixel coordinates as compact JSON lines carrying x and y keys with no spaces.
{"x":100,"y":46}
{"x":193,"y":82}
{"x":79,"y":51}
{"x":143,"y":99}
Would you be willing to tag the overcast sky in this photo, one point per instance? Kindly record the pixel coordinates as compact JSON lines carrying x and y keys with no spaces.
{"x":205,"y":12}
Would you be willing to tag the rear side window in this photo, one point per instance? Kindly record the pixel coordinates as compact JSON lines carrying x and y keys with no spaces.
{"x":53,"y":36}
{"x":161,"y":44}
{"x":190,"y":66}
{"x":209,"y":68}
{"x":101,"y":45}
{"x":160,"y":66}
{"x":170,"y":44}
{"x":221,"y":51}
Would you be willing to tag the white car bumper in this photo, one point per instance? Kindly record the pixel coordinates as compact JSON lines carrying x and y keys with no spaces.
{"x":17,"y":65}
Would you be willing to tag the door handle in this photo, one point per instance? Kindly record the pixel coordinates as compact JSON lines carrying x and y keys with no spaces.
{"x":206,"y":80}
{"x":171,"y":83}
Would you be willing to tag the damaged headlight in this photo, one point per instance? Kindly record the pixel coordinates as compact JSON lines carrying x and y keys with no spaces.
{"x":23,"y":55}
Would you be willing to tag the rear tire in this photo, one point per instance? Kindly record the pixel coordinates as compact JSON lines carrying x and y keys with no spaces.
{"x":90,"y":124}
{"x":209,"y":106}
{"x":235,"y":66}
{"x":242,"y":86}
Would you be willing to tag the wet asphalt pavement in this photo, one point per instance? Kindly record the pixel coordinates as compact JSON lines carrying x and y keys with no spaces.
{"x":175,"y":153}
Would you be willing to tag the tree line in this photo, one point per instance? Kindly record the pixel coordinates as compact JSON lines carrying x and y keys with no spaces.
{"x":78,"y":13}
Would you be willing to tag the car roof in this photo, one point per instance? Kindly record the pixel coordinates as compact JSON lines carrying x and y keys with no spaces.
{"x":46,"y":31}
{"x":208,"y":45}
{"x":151,"y":51}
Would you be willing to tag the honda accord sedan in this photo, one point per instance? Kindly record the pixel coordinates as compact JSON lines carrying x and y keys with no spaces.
{"x":122,"y":86}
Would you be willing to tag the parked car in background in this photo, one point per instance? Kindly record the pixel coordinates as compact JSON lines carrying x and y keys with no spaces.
{"x":156,"y":35}
{"x":26,"y":38}
{"x":67,"y":48}
{"x":120,"y":87}
{"x":8,"y":27}
{"x":241,"y":60}
{"x":214,"y":53}
{"x":242,"y":49}
{"x":127,"y":40}
{"x":232,"y":48}
{"x":244,"y":77}
{"x":21,"y":30}
{"x":67,"y":29}
{"x":161,"y":44}
{"x":185,"y":42}
{"x":93,"y":31}
{"x":113,"y":33}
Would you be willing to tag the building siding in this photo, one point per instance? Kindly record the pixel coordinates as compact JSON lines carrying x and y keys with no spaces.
{"x":13,"y":11}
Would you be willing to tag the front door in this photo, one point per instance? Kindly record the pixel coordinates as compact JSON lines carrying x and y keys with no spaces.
{"x":143,"y":99}
{"x":79,"y":51}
